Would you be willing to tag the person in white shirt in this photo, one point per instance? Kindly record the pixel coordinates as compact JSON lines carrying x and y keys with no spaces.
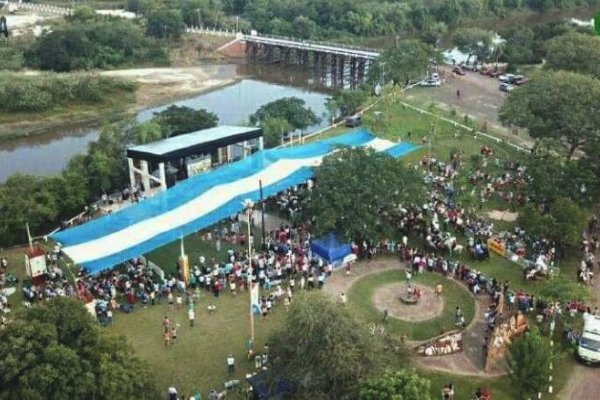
{"x":231,"y":364}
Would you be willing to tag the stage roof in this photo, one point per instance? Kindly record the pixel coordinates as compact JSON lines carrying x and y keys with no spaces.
{"x":193,"y":143}
{"x":203,"y":200}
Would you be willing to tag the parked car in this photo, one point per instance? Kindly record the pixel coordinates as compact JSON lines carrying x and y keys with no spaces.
{"x":506,"y":78}
{"x":521,"y":80}
{"x":505,"y":87}
{"x":353,"y":121}
{"x":471,"y":67}
{"x":458,"y":70}
{"x":431,"y":82}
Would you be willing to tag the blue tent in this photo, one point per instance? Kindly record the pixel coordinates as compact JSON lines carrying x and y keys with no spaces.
{"x":330,"y":249}
{"x":263,"y":391}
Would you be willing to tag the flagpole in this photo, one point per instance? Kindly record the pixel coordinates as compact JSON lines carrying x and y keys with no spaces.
{"x":29,"y":236}
{"x":250,"y":283}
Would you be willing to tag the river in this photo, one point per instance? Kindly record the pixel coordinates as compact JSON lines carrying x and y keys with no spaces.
{"x":48,"y":154}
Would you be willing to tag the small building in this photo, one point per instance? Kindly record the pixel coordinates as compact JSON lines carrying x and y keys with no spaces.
{"x":191,"y":153}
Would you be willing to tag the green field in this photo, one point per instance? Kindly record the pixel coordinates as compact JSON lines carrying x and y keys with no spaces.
{"x":361,"y":295}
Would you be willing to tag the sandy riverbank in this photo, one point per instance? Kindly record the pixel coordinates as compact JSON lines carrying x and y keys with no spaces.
{"x":156,"y":86}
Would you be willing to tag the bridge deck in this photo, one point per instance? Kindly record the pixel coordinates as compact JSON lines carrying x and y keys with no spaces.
{"x":306,"y":45}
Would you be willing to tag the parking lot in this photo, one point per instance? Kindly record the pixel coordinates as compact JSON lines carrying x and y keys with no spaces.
{"x":479,"y":95}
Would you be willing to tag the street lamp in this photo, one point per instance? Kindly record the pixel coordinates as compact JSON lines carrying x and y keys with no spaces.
{"x":249,"y":207}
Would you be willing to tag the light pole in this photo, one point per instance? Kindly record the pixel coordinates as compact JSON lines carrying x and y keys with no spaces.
{"x":249,"y":205}
{"x":237,"y":24}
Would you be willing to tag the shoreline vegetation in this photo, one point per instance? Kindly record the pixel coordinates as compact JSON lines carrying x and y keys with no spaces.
{"x":116,"y":105}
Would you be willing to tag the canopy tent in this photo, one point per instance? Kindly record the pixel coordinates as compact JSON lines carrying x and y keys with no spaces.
{"x":330,"y":249}
{"x":202,"y":201}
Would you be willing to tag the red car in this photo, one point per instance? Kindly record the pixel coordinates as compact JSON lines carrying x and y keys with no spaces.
{"x":493,"y":73}
{"x":458,"y":70}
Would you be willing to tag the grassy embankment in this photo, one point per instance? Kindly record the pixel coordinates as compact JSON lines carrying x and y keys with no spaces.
{"x":53,"y":98}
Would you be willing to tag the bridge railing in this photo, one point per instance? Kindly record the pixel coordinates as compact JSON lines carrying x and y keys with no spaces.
{"x":317,"y":42}
{"x":221,"y":32}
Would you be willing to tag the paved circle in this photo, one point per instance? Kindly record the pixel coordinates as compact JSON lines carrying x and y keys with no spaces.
{"x":388,"y":297}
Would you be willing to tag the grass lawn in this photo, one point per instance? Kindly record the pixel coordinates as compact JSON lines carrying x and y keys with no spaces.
{"x":361,"y":295}
{"x":465,"y":386}
{"x":197,"y":361}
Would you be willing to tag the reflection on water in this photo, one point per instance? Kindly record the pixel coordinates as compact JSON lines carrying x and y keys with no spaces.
{"x":49,"y":154}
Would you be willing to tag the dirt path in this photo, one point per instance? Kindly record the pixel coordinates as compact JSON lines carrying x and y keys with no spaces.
{"x":470,"y":362}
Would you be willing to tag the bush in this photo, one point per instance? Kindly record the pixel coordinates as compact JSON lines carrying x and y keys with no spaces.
{"x":94,"y":44}
{"x":11,"y":58}
{"x":44,"y":92}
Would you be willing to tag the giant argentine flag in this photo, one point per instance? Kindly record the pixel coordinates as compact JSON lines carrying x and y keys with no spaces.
{"x":202,"y":201}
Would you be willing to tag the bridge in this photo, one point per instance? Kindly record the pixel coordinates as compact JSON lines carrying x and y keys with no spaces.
{"x":334,"y":64}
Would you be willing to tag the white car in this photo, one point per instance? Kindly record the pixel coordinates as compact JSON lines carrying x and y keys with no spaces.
{"x":506,"y":78}
{"x":431,"y":82}
{"x":505,"y":87}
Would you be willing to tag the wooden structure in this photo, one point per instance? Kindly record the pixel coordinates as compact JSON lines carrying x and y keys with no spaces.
{"x":505,"y":331}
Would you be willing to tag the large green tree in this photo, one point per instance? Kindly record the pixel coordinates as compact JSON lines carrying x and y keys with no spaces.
{"x":347,"y":102}
{"x":325,"y":351}
{"x":165,"y":24}
{"x":57,"y":351}
{"x":563,"y":223}
{"x":177,"y":120}
{"x":574,"y":52}
{"x":291,"y":109}
{"x":404,"y":384}
{"x":529,"y":361}
{"x":474,"y":42}
{"x":274,"y":129}
{"x":560,"y":105}
{"x":358,"y":192}
{"x":406,"y":62}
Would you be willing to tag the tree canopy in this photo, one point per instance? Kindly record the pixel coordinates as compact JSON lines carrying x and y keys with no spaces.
{"x":408,"y":61}
{"x":358,"y":192}
{"x":274,"y":129}
{"x":325,"y":351}
{"x":177,"y":120}
{"x":563,"y":223}
{"x":404,"y":384}
{"x":57,"y":352}
{"x":346,"y":102}
{"x":291,"y":109}
{"x":529,"y":364}
{"x":560,"y":105}
{"x":165,"y":24}
{"x":574,"y":52}
{"x":474,"y":42}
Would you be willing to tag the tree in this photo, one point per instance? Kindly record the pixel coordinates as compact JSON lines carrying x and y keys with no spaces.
{"x":560,"y":105}
{"x":81,"y":14}
{"x":474,"y":42}
{"x":404,"y":384}
{"x":56,"y":351}
{"x":148,"y":132}
{"x":292,"y":109}
{"x":529,"y":361}
{"x":177,"y":120}
{"x":574,"y":52}
{"x":324,"y":350}
{"x":304,"y":28}
{"x":358,"y":192}
{"x":165,"y":24}
{"x":563,"y":223}
{"x":347,"y":101}
{"x":274,"y":129}
{"x":408,"y":61}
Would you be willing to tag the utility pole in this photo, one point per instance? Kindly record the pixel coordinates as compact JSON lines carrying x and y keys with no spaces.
{"x":249,"y":207}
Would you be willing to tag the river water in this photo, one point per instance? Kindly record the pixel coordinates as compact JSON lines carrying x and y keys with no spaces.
{"x":49,"y":154}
